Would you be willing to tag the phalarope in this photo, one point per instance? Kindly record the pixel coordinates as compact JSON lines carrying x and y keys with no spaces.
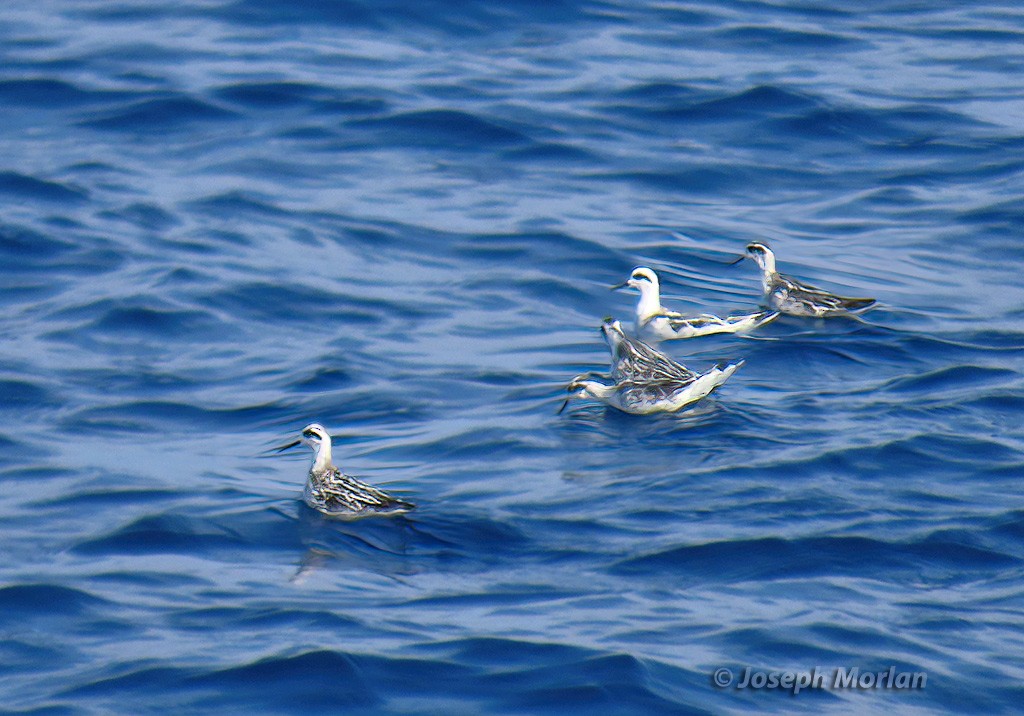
{"x":334,"y":493}
{"x":644,"y":380}
{"x":794,"y":298}
{"x":653,"y":322}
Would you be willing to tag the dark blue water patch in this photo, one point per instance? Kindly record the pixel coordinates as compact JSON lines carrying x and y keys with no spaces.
{"x":1006,"y":215}
{"x":352,"y":407}
{"x":553,"y":152}
{"x":676,"y":104}
{"x":933,"y":455}
{"x":205,"y":243}
{"x":955,"y":173}
{"x":387,"y":546}
{"x":973,"y":35}
{"x":502,"y":597}
{"x":449,"y":533}
{"x":22,"y":186}
{"x":679,"y":16}
{"x":22,"y":601}
{"x":314,"y":136}
{"x":48,"y":93}
{"x":1011,"y":525}
{"x":864,"y":641}
{"x":758,"y":101}
{"x":21,"y":655}
{"x":268,"y":14}
{"x":772,"y":39}
{"x":160,"y":115}
{"x":662,"y":94}
{"x":38,"y":471}
{"x":440,"y":129}
{"x":502,"y":653}
{"x":357,"y":104}
{"x":470,"y":19}
{"x":185,"y":324}
{"x":287,"y":683}
{"x":213,"y":619}
{"x":995,"y":63}
{"x":144,"y":216}
{"x":143,"y":678}
{"x":141,"y":381}
{"x":132,"y":13}
{"x":549,"y":677}
{"x":31,"y":291}
{"x":313,"y":680}
{"x":763,"y":645}
{"x":296,"y":683}
{"x":140,"y":314}
{"x":92,"y":169}
{"x":1003,"y":406}
{"x":157,"y":54}
{"x":138,"y":579}
{"x":606,"y":684}
{"x":324,"y":379}
{"x":420,"y":244}
{"x":23,"y":395}
{"x":170,"y":533}
{"x":768,"y":559}
{"x":480,"y":441}
{"x":964,"y":346}
{"x":954,"y":378}
{"x":551,"y":249}
{"x":834,"y":123}
{"x":181,"y":277}
{"x":298,"y":304}
{"x":13,"y":451}
{"x":273,"y":94}
{"x":110,"y":497}
{"x":707,"y":178}
{"x":237,"y":203}
{"x":155,"y":416}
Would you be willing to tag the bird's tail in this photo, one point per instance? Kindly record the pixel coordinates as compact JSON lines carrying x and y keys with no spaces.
{"x":722,"y":372}
{"x":749,"y":322}
{"x":856,"y":304}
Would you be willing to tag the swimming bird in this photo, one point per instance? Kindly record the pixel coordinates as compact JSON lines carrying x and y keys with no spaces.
{"x":643,"y":380}
{"x":653,"y":322}
{"x":791,"y":297}
{"x":334,"y":493}
{"x":634,"y":360}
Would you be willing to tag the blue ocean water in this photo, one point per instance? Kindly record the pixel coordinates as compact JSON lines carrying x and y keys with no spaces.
{"x":223,"y":219}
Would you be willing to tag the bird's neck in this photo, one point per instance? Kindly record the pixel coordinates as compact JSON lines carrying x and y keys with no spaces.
{"x":649,"y":303}
{"x":323,"y":457}
{"x":768,"y":271}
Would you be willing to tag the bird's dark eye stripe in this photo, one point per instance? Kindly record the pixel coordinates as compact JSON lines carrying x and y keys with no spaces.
{"x":309,"y":434}
{"x":640,"y":277}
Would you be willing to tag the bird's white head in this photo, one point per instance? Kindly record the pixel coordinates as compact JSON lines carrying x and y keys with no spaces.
{"x":317,"y":437}
{"x":645,"y":281}
{"x":641,"y":278}
{"x":586,"y":386}
{"x":613,"y":333}
{"x":762,"y":255}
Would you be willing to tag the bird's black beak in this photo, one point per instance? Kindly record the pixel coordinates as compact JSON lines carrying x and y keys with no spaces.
{"x":563,"y":407}
{"x":288,"y":446}
{"x":741,"y":257}
{"x":616,"y":287}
